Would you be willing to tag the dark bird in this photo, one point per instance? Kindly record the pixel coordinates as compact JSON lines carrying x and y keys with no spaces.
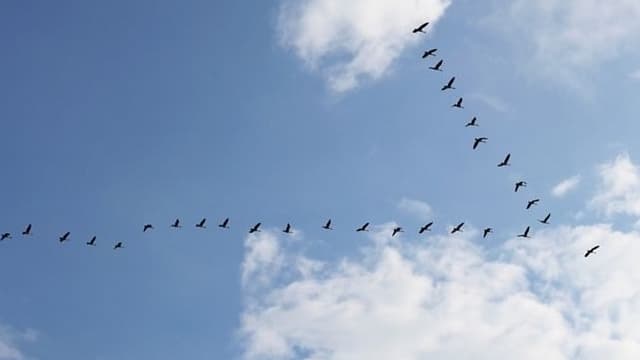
{"x":458,"y":104}
{"x":520,"y":184}
{"x":396,"y":231}
{"x":591,"y":251}
{"x":64,"y":237}
{"x":525,"y":234}
{"x":457,"y":228}
{"x":486,"y":232}
{"x":473,"y":122}
{"x":147,"y":227}
{"x":363,"y":227}
{"x":176,"y":224}
{"x":5,"y":236}
{"x":438,"y":66}
{"x":327,"y":226}
{"x":225,"y":224}
{"x":92,"y":242}
{"x":27,"y":231}
{"x":201,"y":224}
{"x":505,"y":162}
{"x":545,"y":220}
{"x":431,"y":52}
{"x":478,"y":141}
{"x":532,"y":203}
{"x":420,"y":29}
{"x":449,"y":85}
{"x":287,"y":229}
{"x":118,"y":246}
{"x":255,"y":228}
{"x":425,"y":228}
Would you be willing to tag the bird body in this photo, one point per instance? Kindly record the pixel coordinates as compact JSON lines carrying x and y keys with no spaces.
{"x":396,"y":231}
{"x":437,"y":66}
{"x":255,"y":228}
{"x":64,"y":237}
{"x":591,"y":251}
{"x":287,"y":229}
{"x":532,"y":203}
{"x":420,"y":29}
{"x":363,"y":227}
{"x":449,"y":85}
{"x":486,"y":232}
{"x":118,"y":246}
{"x":505,"y":162}
{"x":201,"y":224}
{"x":176,"y":224}
{"x":5,"y":236}
{"x":525,"y":234}
{"x":224,"y":224}
{"x":473,"y":122}
{"x":327,"y":226}
{"x":27,"y":230}
{"x":520,"y":184}
{"x":92,"y":242}
{"x":458,"y":104}
{"x":427,"y":227}
{"x":458,"y":228}
{"x":478,"y":141}
{"x":147,"y":227}
{"x":431,"y":52}
{"x":546,"y":219}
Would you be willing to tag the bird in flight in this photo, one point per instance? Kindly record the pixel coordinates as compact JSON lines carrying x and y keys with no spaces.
{"x":201,"y":224}
{"x":255,"y":228}
{"x":327,"y":226}
{"x":437,"y":66}
{"x":532,"y":203}
{"x":520,"y":184}
{"x":486,"y":232}
{"x":92,"y":242}
{"x":478,"y":141}
{"x":176,"y":224}
{"x":147,"y":227}
{"x":420,"y":29}
{"x":457,"y":228}
{"x":458,"y":104}
{"x":5,"y":236}
{"x":545,"y":220}
{"x":449,"y":85}
{"x":505,"y":162}
{"x":591,"y":251}
{"x":431,"y":52}
{"x":27,"y":231}
{"x":525,"y":234}
{"x":473,"y":122}
{"x":225,"y":224}
{"x":425,"y":228}
{"x":396,"y":231}
{"x":363,"y":227}
{"x":287,"y":229}
{"x":118,"y":245}
{"x":64,"y":237}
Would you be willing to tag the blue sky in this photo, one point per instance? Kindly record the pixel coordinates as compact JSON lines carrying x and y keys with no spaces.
{"x":124,"y":113}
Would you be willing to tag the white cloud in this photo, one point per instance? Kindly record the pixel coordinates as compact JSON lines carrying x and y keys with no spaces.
{"x":9,"y":339}
{"x":566,"y":186}
{"x":349,"y":41}
{"x":262,"y":260}
{"x":491,"y":101}
{"x":619,"y":191}
{"x":419,"y":209}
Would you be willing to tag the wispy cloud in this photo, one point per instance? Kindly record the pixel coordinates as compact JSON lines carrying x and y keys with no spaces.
{"x":566,"y":186}
{"x":635,"y":75}
{"x":417,"y":208}
{"x":9,"y":340}
{"x":491,"y":101}
{"x":619,"y":190}
{"x":350,"y":41}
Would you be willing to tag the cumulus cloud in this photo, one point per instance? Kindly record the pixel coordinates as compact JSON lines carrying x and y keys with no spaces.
{"x":349,"y":41}
{"x":566,"y":186}
{"x":619,"y":190}
{"x":417,"y":208}
{"x":262,"y":258}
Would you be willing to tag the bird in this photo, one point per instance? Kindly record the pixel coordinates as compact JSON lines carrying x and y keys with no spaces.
{"x":525,"y":234}
{"x":92,"y":242}
{"x":5,"y":236}
{"x":437,"y":66}
{"x":27,"y":231}
{"x":473,"y":122}
{"x":363,"y":227}
{"x":458,"y":228}
{"x":176,"y":224}
{"x":225,"y":224}
{"x":486,"y":232}
{"x":147,"y":227}
{"x":532,"y":203}
{"x":505,"y":162}
{"x":478,"y":141}
{"x":287,"y":229}
{"x":255,"y":228}
{"x":201,"y":223}
{"x":431,"y":52}
{"x":458,"y":104}
{"x":591,"y":251}
{"x":396,"y":231}
{"x":449,"y":85}
{"x":118,"y":245}
{"x":64,"y":237}
{"x":420,"y":29}
{"x":545,"y":220}
{"x":520,"y":184}
{"x":327,"y":226}
{"x":425,"y":228}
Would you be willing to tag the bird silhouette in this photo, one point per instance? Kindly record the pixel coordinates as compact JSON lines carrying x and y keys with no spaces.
{"x":27,"y":230}
{"x":437,"y":66}
{"x":525,"y":234}
{"x":5,"y":236}
{"x":255,"y":228}
{"x":396,"y":231}
{"x":478,"y":141}
{"x":520,"y":184}
{"x":505,"y":162}
{"x":458,"y":104}
{"x":147,"y":227}
{"x":473,"y":122}
{"x":287,"y":229}
{"x":532,"y":203}
{"x":427,"y":227}
{"x":176,"y":224}
{"x":449,"y":85}
{"x":431,"y":52}
{"x":545,"y":220}
{"x":591,"y":251}
{"x":92,"y":242}
{"x":420,"y":29}
{"x":458,"y":228}
{"x":327,"y":226}
{"x":225,"y":224}
{"x":363,"y":227}
{"x":64,"y":237}
{"x":118,"y":245}
{"x":486,"y":232}
{"x":201,"y":224}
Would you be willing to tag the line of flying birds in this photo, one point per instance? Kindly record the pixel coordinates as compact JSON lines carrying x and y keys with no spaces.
{"x":288,"y":229}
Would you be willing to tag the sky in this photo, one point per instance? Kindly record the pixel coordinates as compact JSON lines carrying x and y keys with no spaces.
{"x":122,"y":113}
